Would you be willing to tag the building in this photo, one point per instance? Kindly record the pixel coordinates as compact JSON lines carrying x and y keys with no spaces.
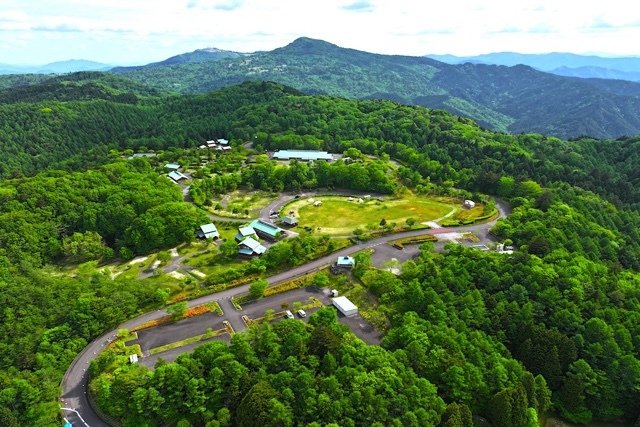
{"x":223,"y":142}
{"x":469,"y":204}
{"x":345,"y":306}
{"x":177,"y":176}
{"x":303,"y":155}
{"x":288,"y":221}
{"x":244,"y":232}
{"x":266,"y":231}
{"x":208,"y":231}
{"x":172,"y":166}
{"x":149,"y":155}
{"x":345,"y":262}
{"x":250,"y":247}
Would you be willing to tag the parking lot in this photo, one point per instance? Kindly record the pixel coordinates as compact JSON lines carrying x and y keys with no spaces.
{"x":387,"y":252}
{"x":198,"y":325}
{"x":172,"y":332}
{"x":171,"y":355}
{"x":257,"y":309}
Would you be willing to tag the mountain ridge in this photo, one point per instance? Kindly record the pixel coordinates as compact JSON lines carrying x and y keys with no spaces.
{"x":506,"y":99}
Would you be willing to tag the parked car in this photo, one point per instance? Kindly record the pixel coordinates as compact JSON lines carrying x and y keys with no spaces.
{"x":301,"y":313}
{"x":288,"y":314}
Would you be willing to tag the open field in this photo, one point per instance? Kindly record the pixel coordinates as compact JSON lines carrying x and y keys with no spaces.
{"x":339,"y":216}
{"x":242,"y":204}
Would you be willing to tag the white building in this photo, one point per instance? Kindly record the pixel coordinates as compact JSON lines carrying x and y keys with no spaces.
{"x":345,"y":306}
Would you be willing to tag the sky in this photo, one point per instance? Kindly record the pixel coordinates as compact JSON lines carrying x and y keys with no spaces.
{"x":127,"y":32}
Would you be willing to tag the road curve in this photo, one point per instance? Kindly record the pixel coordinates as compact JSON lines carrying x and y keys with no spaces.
{"x":75,"y":382}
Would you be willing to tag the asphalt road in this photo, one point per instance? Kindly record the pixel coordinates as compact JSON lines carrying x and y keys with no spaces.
{"x":75,"y":380}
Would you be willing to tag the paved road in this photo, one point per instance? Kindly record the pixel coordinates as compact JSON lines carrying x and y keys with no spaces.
{"x":75,"y":380}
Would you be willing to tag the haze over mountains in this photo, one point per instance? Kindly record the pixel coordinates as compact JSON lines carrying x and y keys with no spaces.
{"x":563,"y":64}
{"x":69,"y":66}
{"x":509,"y":99}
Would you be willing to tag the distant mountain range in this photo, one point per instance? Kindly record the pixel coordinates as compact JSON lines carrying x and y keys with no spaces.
{"x":511,"y":99}
{"x":563,"y":64}
{"x":201,"y":55}
{"x":507,"y":99}
{"x":69,"y":66}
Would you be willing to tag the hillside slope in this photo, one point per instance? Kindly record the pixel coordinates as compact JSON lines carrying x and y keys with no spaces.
{"x":506,"y":99}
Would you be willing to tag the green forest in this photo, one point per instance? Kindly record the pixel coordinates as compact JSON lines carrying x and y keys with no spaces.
{"x":554,"y":327}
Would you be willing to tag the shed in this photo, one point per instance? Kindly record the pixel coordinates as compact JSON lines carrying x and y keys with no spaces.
{"x":253,"y":245}
{"x":287,"y":220}
{"x":246,"y":231}
{"x":317,"y":203}
{"x":172,"y":166}
{"x":208,"y":231}
{"x":223,"y":141}
{"x":345,"y":306}
{"x":177,"y":176}
{"x":345,"y":261}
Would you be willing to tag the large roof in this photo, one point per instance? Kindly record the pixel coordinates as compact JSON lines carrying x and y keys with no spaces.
{"x":269,"y":229}
{"x":302,"y":155}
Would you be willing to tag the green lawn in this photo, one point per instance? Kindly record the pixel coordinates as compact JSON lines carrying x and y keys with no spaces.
{"x":339,"y":216}
{"x":242,"y":201}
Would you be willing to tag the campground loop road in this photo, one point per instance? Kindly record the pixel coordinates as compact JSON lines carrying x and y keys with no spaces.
{"x":75,"y":381}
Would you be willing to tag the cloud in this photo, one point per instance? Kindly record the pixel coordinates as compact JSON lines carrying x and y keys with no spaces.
{"x":225,"y":5}
{"x":359,"y":6}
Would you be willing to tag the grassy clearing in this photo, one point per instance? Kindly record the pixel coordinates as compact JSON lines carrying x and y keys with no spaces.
{"x":466,"y":214}
{"x":182,"y":343}
{"x":240,"y":202}
{"x":339,"y":216}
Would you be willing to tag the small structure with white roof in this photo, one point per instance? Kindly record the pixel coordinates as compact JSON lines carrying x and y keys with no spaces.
{"x":469,"y":204}
{"x":177,"y":176}
{"x":172,"y":166}
{"x":345,"y":306}
{"x":250,"y":247}
{"x":208,"y":231}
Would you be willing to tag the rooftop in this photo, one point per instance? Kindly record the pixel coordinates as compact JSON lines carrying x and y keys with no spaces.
{"x":172,"y":166}
{"x":302,"y":154}
{"x":177,"y":176}
{"x":269,"y":229}
{"x":254,"y":245}
{"x":209,"y":231}
{"x":246,"y":231}
{"x":289,"y":220}
{"x":344,"y":303}
{"x":346,"y":261}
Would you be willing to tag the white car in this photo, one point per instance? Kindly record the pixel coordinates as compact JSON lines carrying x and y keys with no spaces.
{"x":301,"y":313}
{"x":288,"y":314}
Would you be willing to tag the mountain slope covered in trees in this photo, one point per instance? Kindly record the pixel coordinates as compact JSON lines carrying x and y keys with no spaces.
{"x":507,"y":99}
{"x":502,"y":337}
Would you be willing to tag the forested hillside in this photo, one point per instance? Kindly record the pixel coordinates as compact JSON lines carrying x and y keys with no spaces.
{"x":555,"y":325}
{"x":507,"y":99}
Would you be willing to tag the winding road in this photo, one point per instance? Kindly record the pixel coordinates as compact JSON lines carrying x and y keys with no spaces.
{"x":75,"y":382}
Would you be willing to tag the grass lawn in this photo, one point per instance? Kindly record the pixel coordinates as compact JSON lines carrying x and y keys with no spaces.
{"x":242,"y":201}
{"x":338,"y":216}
